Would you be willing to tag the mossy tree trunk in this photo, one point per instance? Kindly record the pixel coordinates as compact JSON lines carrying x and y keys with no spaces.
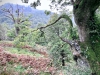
{"x":89,"y":31}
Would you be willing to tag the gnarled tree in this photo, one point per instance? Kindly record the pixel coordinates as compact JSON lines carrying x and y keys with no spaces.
{"x":15,"y":15}
{"x":89,"y":31}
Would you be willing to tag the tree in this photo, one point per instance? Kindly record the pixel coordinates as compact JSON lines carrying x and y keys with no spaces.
{"x":84,"y":13}
{"x":88,"y":29}
{"x":17,"y":17}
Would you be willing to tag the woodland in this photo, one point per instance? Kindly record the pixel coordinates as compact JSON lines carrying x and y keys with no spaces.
{"x":42,"y":42}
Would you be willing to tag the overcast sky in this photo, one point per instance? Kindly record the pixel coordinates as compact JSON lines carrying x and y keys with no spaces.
{"x":44,"y":3}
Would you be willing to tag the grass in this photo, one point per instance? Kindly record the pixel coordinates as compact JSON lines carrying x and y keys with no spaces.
{"x":6,"y":41}
{"x":22,"y":51}
{"x":19,"y":68}
{"x":16,"y":50}
{"x":12,"y":70}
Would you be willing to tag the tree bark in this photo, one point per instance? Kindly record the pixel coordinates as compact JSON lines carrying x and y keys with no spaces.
{"x":84,"y":11}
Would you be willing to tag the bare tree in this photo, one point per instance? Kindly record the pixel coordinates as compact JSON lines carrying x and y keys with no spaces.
{"x":16,"y":16}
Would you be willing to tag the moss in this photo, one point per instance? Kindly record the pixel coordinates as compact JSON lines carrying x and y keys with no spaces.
{"x":91,"y":53}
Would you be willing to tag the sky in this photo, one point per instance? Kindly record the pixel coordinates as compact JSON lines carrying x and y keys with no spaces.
{"x":44,"y":3}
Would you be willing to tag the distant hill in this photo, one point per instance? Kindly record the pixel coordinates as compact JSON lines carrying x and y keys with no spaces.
{"x":38,"y":16}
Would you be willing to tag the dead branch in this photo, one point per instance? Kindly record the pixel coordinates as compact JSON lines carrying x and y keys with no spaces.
{"x":66,"y":40}
{"x":10,"y":13}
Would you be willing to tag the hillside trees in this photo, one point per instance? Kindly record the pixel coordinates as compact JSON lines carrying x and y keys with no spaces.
{"x":3,"y":32}
{"x":88,"y":29}
{"x":17,"y":17}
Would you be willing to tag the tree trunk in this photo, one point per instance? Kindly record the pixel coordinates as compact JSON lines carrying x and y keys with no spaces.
{"x":17,"y":30}
{"x":62,"y":57}
{"x":88,"y":34}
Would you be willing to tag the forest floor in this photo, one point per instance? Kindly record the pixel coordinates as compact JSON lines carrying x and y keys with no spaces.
{"x":24,"y":61}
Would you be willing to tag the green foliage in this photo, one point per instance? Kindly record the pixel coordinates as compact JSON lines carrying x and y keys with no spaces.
{"x":19,"y":68}
{"x":12,"y":69}
{"x":73,"y":70}
{"x":74,"y":34}
{"x":11,"y":34}
{"x":55,"y":53}
{"x":29,"y":36}
{"x":36,"y":37}
{"x":22,"y":51}
{"x":94,"y":27}
{"x":33,"y":37}
{"x":26,"y":37}
{"x":47,"y":12}
{"x":55,"y":44}
{"x":45,"y":73}
{"x":93,"y":45}
{"x":19,"y":42}
{"x":25,"y":24}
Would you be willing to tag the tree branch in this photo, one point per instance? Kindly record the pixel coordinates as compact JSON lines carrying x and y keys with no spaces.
{"x":10,"y":13}
{"x":64,"y":40}
{"x":9,"y":17}
{"x":96,"y":4}
{"x":13,"y":17}
{"x":62,"y":16}
{"x":11,"y":8}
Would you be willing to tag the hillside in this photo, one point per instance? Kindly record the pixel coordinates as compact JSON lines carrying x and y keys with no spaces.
{"x":38,"y":16}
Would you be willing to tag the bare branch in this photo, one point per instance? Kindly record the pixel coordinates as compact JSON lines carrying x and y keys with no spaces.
{"x":21,"y":13}
{"x":11,"y":8}
{"x":62,"y":16}
{"x":64,"y":40}
{"x":8,"y":17}
{"x":13,"y":17}
{"x":17,"y":11}
{"x":9,"y":12}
